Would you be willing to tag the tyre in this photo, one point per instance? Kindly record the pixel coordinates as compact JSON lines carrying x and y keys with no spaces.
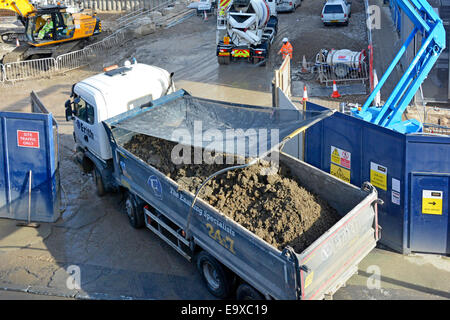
{"x":247,"y":292}
{"x":217,"y":279}
{"x":134,"y":212}
{"x":100,"y":186}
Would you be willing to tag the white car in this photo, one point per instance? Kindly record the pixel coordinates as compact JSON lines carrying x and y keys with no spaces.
{"x":288,"y":5}
{"x":336,"y":12}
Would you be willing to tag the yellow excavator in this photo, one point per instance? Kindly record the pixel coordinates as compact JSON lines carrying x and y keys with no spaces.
{"x":49,"y":30}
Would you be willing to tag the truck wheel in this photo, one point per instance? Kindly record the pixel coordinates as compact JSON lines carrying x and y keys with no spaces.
{"x":134,"y":212}
{"x":99,"y":183}
{"x":217,"y":279}
{"x":247,"y":292}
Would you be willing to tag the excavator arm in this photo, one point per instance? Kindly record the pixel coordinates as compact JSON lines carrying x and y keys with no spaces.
{"x":428,"y":23}
{"x":22,"y":7}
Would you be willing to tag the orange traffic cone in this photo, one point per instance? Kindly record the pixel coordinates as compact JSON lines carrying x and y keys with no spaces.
{"x":17,"y":42}
{"x":305,"y":94}
{"x":304,"y":65}
{"x":335,"y":93}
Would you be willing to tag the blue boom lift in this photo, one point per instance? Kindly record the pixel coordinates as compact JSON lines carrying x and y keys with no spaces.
{"x":430,"y":25}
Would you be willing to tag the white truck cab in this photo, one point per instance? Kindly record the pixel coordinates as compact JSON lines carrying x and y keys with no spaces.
{"x":108,"y":94}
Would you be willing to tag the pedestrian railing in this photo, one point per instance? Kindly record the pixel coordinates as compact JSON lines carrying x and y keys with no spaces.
{"x":29,"y":69}
{"x":38,"y":68}
{"x":326,"y":74}
{"x":436,"y":129}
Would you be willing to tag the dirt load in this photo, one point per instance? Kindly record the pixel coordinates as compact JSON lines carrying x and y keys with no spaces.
{"x":275,"y":207}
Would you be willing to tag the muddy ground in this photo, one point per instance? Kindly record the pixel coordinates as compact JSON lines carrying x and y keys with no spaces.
{"x":276,"y":207}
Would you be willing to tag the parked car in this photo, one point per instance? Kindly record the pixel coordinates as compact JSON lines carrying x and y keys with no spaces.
{"x":288,"y":5}
{"x":336,"y":12}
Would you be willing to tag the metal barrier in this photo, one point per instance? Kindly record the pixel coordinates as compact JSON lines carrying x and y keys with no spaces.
{"x":29,"y":69}
{"x":130,"y":18}
{"x":72,"y":60}
{"x":436,"y":129}
{"x":326,"y":74}
{"x":343,"y":74}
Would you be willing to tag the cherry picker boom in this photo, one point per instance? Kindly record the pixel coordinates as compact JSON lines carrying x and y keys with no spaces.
{"x":428,"y":23}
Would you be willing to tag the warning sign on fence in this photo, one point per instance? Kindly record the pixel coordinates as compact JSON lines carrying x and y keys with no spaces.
{"x":432,"y":202}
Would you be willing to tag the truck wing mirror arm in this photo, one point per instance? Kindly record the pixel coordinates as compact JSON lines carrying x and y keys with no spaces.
{"x":69,"y":111}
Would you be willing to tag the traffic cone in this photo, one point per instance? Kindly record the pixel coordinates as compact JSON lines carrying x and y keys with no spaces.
{"x":304,"y":65}
{"x":17,"y":42}
{"x":305,"y":94}
{"x":335,"y":93}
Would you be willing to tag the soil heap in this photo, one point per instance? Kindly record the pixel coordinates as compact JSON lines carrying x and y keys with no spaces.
{"x":275,"y":207}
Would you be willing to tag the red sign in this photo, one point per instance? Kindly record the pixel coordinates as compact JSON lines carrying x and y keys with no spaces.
{"x":28,"y":139}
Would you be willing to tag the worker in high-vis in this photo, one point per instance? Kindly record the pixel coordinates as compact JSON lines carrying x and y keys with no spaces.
{"x":286,"y":49}
{"x":46,"y":29}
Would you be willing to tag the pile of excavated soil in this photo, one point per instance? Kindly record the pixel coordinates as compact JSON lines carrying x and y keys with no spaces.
{"x":275,"y":207}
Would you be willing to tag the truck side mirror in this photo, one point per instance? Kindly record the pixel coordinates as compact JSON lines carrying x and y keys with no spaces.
{"x":69,"y":111}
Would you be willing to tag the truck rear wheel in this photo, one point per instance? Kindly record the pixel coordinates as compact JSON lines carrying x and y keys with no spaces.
{"x":134,"y":212}
{"x":247,"y":292}
{"x":217,"y":279}
{"x":100,"y":186}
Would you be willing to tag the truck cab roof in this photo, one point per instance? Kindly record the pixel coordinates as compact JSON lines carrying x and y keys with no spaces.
{"x":121,"y":86}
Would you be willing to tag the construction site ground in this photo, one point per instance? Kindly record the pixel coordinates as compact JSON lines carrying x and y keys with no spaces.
{"x":93,"y":233}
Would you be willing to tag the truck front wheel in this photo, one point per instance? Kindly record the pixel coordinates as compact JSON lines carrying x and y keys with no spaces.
{"x":246,"y":292}
{"x":217,"y":278}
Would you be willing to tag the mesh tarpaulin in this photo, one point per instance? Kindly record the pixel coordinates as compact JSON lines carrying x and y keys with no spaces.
{"x":244,"y":130}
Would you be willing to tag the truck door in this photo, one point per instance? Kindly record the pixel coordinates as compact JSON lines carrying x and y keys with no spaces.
{"x":429,"y":226}
{"x":85,"y":124}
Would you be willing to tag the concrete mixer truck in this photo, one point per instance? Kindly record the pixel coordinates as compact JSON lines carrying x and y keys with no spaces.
{"x":245,"y":30}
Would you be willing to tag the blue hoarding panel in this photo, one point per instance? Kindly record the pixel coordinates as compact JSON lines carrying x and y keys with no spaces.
{"x":391,"y":162}
{"x":27,"y":144}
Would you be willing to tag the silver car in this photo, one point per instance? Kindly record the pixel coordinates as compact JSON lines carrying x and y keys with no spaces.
{"x":288,"y":5}
{"x":336,"y":12}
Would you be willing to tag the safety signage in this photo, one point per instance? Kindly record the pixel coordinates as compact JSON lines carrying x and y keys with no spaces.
{"x":28,"y":139}
{"x":339,"y":172}
{"x":432,"y":202}
{"x":395,"y":192}
{"x":378,"y":176}
{"x":341,"y":157}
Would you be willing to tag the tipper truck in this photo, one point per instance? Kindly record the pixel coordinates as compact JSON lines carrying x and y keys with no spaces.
{"x":230,"y":258}
{"x":245,"y":30}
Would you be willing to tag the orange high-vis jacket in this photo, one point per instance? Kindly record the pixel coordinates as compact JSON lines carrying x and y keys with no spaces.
{"x":286,"y":49}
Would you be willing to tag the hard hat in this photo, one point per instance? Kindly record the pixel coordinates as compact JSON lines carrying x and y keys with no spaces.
{"x":285,"y":39}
